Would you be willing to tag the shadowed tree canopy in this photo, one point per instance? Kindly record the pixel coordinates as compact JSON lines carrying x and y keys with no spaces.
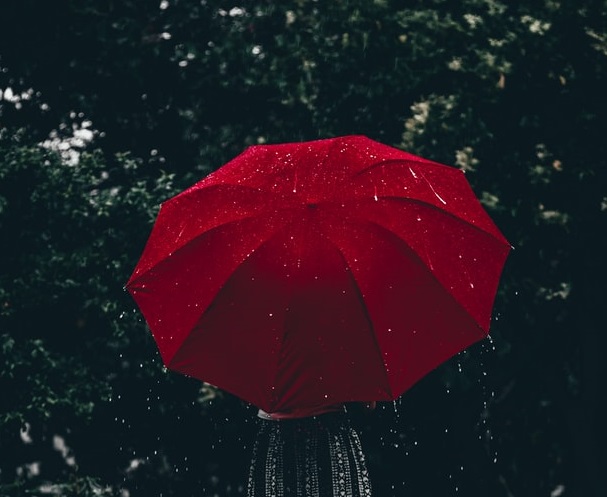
{"x":109,"y":107}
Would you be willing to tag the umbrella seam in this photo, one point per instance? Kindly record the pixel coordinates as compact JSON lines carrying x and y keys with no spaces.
{"x":481,"y":334}
{"x":384,"y":162}
{"x":425,"y":267}
{"x":501,"y":240}
{"x":361,"y":299}
{"x":204,"y":311}
{"x":249,"y":255}
{"x":418,"y":161}
{"x":254,"y":216}
{"x":220,"y":288}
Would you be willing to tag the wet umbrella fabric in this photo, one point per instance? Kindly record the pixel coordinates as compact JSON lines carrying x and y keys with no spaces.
{"x":308,"y":273}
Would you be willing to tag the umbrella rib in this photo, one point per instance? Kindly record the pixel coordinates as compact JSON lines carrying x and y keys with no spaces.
{"x":408,"y":160}
{"x":193,"y":239}
{"x":445,"y":213}
{"x":425,"y":162}
{"x":248,"y":256}
{"x":415,"y":257}
{"x":195,"y":189}
{"x":363,"y":306}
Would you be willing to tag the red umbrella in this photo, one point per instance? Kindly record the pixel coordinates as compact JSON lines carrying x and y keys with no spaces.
{"x":319,"y":272}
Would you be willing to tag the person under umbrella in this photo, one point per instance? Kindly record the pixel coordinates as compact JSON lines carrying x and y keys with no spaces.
{"x":309,"y":452}
{"x":302,"y":277}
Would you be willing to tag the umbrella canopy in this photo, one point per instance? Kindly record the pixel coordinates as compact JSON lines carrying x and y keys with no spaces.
{"x":308,"y":273}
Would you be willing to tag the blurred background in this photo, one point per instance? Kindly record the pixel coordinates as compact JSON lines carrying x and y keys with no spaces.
{"x":109,"y":107}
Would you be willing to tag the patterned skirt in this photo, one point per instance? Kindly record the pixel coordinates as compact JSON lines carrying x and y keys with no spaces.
{"x":309,"y":457}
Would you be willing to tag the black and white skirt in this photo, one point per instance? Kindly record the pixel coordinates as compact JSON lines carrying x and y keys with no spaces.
{"x":309,"y":457}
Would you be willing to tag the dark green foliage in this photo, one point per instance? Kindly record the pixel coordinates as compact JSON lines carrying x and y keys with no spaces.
{"x":135,"y":100}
